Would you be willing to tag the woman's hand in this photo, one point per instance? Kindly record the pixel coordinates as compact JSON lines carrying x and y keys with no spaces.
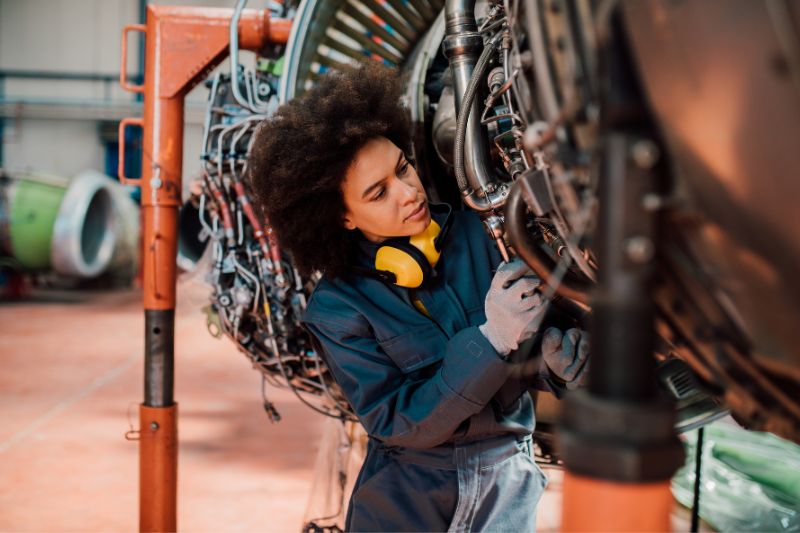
{"x":512,"y":307}
{"x":567,"y":355}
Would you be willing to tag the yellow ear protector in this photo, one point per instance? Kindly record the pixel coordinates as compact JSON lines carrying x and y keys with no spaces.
{"x":410,"y":261}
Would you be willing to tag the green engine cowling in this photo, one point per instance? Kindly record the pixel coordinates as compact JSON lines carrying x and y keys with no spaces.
{"x":77,"y":228}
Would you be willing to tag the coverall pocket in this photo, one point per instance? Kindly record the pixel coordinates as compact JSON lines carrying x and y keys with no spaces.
{"x":527,"y":456}
{"x":415,"y":349}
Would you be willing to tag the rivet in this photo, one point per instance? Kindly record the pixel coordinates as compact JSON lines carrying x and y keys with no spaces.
{"x":652,"y":202}
{"x":639,"y":249}
{"x":645,"y":154}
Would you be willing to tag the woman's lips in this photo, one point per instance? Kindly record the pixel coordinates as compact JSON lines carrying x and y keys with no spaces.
{"x":418,"y":214}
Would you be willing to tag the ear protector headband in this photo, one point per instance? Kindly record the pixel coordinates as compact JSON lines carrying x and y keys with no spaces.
{"x":410,"y":261}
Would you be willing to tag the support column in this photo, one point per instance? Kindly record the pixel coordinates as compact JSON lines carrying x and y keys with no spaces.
{"x":617,"y":437}
{"x":182,"y":45}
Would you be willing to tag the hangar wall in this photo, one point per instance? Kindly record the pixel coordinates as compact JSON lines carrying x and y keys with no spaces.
{"x":62,"y":126}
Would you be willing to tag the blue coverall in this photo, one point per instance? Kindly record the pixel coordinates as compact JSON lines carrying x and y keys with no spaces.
{"x":450,"y":432}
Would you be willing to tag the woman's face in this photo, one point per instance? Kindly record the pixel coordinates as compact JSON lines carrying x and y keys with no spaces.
{"x":383,"y":194}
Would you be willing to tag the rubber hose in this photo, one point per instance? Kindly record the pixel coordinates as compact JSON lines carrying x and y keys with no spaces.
{"x":464,"y":112}
{"x":530,"y":252}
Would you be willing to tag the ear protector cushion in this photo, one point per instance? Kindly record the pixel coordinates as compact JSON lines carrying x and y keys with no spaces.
{"x":409,"y":265}
{"x":410,"y":261}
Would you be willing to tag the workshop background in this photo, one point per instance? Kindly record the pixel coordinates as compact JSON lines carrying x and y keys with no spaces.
{"x":59,"y":84}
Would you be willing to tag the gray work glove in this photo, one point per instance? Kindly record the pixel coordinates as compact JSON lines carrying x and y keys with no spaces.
{"x":567,"y":355}
{"x":512,"y":307}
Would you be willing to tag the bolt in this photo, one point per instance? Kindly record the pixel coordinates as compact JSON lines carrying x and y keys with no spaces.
{"x":154,"y":426}
{"x":155,"y":183}
{"x":652,"y":202}
{"x":645,"y":154}
{"x":640,"y":249}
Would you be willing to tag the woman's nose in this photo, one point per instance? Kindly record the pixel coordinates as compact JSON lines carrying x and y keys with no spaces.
{"x":409,"y":192}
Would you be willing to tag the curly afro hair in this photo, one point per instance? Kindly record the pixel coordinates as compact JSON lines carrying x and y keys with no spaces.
{"x":300,"y":155}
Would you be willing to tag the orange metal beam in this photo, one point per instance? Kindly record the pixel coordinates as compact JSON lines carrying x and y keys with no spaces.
{"x":182,"y":45}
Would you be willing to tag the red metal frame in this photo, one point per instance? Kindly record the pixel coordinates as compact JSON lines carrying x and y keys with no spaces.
{"x":182,"y":45}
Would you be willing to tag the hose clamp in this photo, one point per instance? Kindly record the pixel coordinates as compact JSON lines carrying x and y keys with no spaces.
{"x":462,"y":44}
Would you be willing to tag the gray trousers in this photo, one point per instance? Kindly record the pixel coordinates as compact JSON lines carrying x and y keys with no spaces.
{"x":487,"y":485}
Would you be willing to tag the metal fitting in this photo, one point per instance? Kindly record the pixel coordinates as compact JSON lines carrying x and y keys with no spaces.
{"x":496,"y":78}
{"x":465,"y":44}
{"x":645,"y":154}
{"x":639,"y":249}
{"x":653,"y":202}
{"x":481,"y":203}
{"x":494,"y":226}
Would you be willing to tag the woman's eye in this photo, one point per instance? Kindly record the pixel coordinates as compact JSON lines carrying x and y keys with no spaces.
{"x":380,"y":194}
{"x":403,"y":169}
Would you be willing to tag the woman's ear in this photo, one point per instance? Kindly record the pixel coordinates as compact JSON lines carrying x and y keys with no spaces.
{"x":348,"y":223}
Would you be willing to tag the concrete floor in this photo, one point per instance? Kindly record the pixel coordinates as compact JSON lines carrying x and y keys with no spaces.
{"x":70,"y":387}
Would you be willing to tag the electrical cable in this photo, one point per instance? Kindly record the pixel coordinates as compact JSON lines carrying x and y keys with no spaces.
{"x":698,"y":459}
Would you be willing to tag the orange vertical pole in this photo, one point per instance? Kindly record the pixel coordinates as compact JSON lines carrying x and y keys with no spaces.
{"x":599,"y":505}
{"x":182,"y":45}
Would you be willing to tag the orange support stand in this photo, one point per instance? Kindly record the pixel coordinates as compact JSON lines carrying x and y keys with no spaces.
{"x":182,"y":45}
{"x":599,"y":505}
{"x":158,"y":451}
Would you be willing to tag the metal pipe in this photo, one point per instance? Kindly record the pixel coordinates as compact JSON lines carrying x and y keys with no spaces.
{"x":234,"y":59}
{"x":59,"y":76}
{"x":14,"y":108}
{"x":159,"y":360}
{"x":461,"y":46}
{"x":139,"y":97}
{"x":544,"y":84}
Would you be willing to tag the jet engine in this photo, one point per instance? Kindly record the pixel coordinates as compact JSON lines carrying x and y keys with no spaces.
{"x":515,"y":105}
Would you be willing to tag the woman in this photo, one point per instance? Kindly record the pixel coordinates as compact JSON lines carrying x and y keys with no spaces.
{"x":424,"y":348}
